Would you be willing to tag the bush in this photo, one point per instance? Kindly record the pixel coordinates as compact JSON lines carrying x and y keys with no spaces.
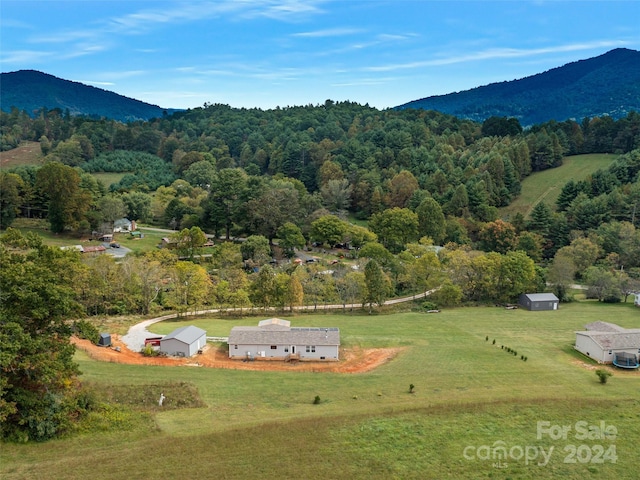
{"x":86,"y":330}
{"x":316,"y":401}
{"x":603,"y":375}
{"x":429,"y":306}
{"x":149,"y":351}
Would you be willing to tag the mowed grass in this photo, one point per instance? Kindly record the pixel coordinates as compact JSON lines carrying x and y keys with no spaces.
{"x":468,"y":393}
{"x":108,"y":178}
{"x":27,"y":153}
{"x":546,"y":186}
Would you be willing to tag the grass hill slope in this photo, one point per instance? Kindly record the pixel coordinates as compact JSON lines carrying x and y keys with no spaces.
{"x":605,"y":85}
{"x":546,"y":186}
{"x":30,"y":90}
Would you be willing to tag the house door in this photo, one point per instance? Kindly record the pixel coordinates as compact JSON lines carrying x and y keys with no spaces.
{"x":293,"y":349}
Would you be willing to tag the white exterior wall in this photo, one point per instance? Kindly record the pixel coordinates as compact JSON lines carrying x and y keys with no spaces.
{"x":587,"y":346}
{"x":330,"y":352}
{"x":176,"y":347}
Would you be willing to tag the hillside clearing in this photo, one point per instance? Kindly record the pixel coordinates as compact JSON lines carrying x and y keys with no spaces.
{"x":546,"y":186}
{"x":28,"y":153}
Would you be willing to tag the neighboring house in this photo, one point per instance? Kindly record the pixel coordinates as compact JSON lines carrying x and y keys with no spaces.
{"x":275,"y":339}
{"x":77,"y":248}
{"x":168,"y":243}
{"x":124,"y":225}
{"x":609,"y":343}
{"x":94,"y":249}
{"x":636,"y":300}
{"x":539,"y":301}
{"x":184,"y":341}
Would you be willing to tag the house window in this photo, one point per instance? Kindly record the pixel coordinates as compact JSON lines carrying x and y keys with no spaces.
{"x":235,"y":347}
{"x":308,"y":348}
{"x":274,"y":347}
{"x":286,"y":349}
{"x":313,"y":348}
{"x":610,"y":352}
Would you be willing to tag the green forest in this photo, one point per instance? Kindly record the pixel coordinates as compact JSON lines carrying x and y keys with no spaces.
{"x":372,"y":194}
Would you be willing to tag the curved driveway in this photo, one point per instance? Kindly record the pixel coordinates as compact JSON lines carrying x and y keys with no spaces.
{"x":135,"y":337}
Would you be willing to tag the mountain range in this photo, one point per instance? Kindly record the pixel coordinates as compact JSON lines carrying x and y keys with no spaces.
{"x":605,"y":85}
{"x":30,"y":90}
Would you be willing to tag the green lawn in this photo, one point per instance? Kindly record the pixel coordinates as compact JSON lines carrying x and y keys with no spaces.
{"x":108,"y":178}
{"x":546,"y":186}
{"x":469,"y":394}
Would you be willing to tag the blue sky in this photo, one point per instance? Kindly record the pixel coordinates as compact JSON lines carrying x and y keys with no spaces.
{"x":268,"y":53}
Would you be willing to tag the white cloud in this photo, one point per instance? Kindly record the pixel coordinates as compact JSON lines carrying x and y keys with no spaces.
{"x":23,"y":57}
{"x":497,"y":53}
{"x":330,"y":32}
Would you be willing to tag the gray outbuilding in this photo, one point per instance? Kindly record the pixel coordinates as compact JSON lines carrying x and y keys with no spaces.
{"x":275,"y":339}
{"x":539,"y":301}
{"x":104,"y":340}
{"x":184,"y":341}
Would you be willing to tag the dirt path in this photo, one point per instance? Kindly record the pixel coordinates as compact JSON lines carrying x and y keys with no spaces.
{"x":353,"y":360}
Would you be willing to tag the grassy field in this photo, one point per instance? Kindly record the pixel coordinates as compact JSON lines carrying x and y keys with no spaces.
{"x":470,"y":396}
{"x":28,"y":153}
{"x":546,"y":186}
{"x":107,"y":178}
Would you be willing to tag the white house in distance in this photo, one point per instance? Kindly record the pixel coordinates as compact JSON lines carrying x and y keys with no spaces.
{"x":609,"y":343}
{"x":276,"y":339}
{"x":184,"y":341}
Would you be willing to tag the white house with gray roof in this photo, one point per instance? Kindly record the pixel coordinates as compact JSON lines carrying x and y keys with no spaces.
{"x":184,"y":341}
{"x":276,"y":339}
{"x":610,"y":343}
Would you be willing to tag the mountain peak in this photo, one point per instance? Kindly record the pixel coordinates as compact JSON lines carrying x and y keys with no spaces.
{"x":608,"y":84}
{"x":31,"y":90}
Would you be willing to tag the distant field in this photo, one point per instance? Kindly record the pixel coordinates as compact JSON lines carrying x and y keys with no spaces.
{"x":470,"y":397}
{"x":546,"y":186}
{"x":28,"y":153}
{"x":108,"y":178}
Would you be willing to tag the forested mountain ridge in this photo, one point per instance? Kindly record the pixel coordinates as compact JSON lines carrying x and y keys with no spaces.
{"x":605,"y":85}
{"x":30,"y":90}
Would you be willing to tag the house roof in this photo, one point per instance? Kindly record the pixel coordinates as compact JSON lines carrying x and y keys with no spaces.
{"x":613,"y":337}
{"x":541,"y":297}
{"x":274,"y":322}
{"x":601,"y":326}
{"x":93,"y":249}
{"x":267,"y":335}
{"x":186,"y":335}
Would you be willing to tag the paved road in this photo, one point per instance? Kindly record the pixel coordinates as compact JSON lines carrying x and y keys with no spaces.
{"x":135,"y":337}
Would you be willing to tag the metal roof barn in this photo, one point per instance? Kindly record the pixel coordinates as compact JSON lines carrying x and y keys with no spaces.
{"x":184,"y":341}
{"x":539,"y":301}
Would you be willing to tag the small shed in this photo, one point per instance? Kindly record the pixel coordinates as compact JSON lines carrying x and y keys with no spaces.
{"x":104,"y":340}
{"x":184,"y":341}
{"x":539,"y":301}
{"x":636,"y":299}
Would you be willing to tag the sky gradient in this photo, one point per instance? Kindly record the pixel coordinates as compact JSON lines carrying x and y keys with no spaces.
{"x":268,"y":53}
